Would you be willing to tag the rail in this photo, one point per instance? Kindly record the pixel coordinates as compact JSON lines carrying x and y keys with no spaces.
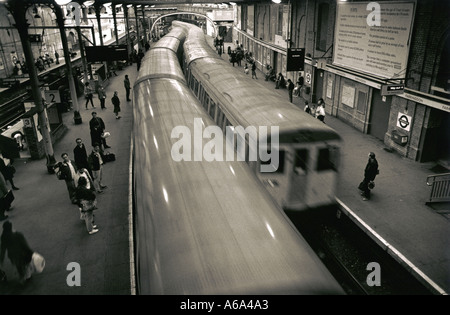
{"x":440,"y":187}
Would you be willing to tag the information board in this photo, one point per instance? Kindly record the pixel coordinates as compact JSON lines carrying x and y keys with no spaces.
{"x":379,"y":50}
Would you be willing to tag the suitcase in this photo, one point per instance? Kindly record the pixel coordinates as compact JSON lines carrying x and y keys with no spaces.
{"x":109,"y":157}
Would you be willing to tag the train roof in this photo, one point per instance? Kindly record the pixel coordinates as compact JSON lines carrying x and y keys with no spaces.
{"x":160,"y":62}
{"x":208,"y":227}
{"x":246,"y":101}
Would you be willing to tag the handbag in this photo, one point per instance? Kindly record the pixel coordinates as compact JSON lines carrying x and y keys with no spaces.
{"x":38,"y":262}
{"x":88,"y":205}
{"x":105,"y":134}
{"x":371,"y":184}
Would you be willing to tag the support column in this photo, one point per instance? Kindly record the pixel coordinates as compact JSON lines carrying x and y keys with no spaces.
{"x":18,"y":10}
{"x":73,"y":92}
{"x":137,"y":28}
{"x":144,"y":21}
{"x":129,"y":42}
{"x":113,"y":6}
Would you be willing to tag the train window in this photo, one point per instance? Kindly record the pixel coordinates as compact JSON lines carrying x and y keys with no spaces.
{"x":281,"y":156}
{"x":206,"y":102}
{"x":219,"y":118}
{"x":301,"y":161}
{"x":327,"y":159}
{"x":196,"y":87}
{"x":212,"y":109}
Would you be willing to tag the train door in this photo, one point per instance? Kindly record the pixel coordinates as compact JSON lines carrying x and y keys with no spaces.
{"x":298,"y":178}
{"x":275,"y":182}
{"x":322,"y":180}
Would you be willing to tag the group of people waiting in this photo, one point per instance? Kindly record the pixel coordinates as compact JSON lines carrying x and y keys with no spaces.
{"x":83,"y":175}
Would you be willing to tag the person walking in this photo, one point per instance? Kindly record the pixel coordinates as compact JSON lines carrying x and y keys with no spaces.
{"x":126,"y":83}
{"x":370,"y":172}
{"x":88,"y":203}
{"x":19,"y":252}
{"x":88,"y":94}
{"x":102,"y":96}
{"x":8,"y":172}
{"x":80,"y":156}
{"x":254,"y":70}
{"x":68,"y":172}
{"x":96,"y":162}
{"x":97,"y":127}
{"x":116,"y":102}
{"x":290,"y":87}
{"x":320,"y":111}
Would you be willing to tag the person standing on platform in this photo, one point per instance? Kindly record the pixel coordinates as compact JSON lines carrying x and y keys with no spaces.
{"x":96,"y":163}
{"x":68,"y":171}
{"x":80,"y":156}
{"x":290,"y":87}
{"x":116,"y":102}
{"x":370,"y":172}
{"x":102,"y":96}
{"x":19,"y":252}
{"x":57,"y":57}
{"x":254,"y":70}
{"x":97,"y":127}
{"x":126,"y":83}
{"x":88,"y":94}
{"x":88,"y":203}
{"x":320,"y":110}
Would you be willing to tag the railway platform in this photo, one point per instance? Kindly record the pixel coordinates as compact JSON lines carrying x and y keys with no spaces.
{"x":77,"y":263}
{"x":396,"y":217}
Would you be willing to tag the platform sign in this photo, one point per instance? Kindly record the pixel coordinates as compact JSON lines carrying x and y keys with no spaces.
{"x":392,"y":89}
{"x":52,"y":96}
{"x":106,"y":53}
{"x":295,"y":59}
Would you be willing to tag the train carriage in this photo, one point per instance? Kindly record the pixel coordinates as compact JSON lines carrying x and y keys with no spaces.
{"x":206,"y":227}
{"x":306,"y":175}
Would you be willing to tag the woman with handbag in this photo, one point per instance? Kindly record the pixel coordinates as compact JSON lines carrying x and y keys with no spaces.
{"x":370,"y":172}
{"x":88,"y":203}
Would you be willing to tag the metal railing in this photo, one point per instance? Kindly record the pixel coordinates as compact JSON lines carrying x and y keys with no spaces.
{"x":440,"y":187}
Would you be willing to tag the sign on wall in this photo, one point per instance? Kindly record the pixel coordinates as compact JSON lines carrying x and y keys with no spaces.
{"x":361,"y":44}
{"x":404,"y":121}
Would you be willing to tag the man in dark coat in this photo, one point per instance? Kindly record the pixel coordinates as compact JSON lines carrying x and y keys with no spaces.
{"x":97,"y":127}
{"x":80,"y":156}
{"x":290,"y":87}
{"x":370,"y":172}
{"x":127,"y":85}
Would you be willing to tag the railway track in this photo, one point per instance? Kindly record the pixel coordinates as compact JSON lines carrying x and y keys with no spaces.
{"x":355,"y":260}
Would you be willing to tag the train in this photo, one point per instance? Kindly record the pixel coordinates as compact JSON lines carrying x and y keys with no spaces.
{"x":306,"y":174}
{"x":204,"y":227}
